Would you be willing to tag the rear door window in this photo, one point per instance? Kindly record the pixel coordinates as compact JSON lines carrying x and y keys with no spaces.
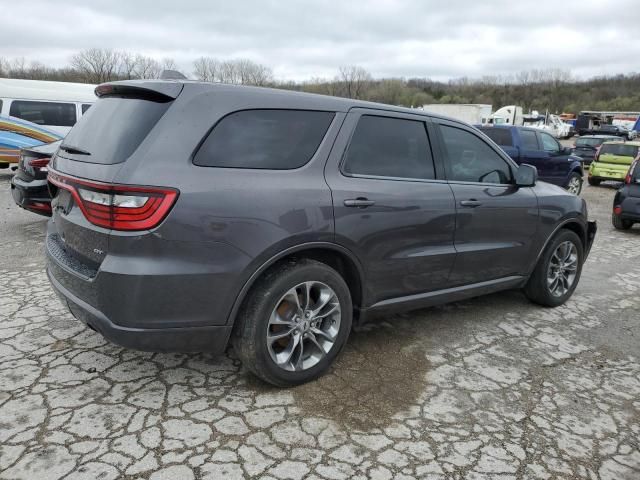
{"x":264,"y":139}
{"x":113,"y":128}
{"x":529,"y":140}
{"x":389,"y":147}
{"x":85,"y":107}
{"x":44,"y":113}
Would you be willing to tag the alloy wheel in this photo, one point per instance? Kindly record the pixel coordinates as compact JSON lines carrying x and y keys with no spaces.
{"x":562,"y":270}
{"x":303,"y":326}
{"x":574,"y":185}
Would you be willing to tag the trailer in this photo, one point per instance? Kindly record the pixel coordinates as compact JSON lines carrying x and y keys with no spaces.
{"x":472,"y":113}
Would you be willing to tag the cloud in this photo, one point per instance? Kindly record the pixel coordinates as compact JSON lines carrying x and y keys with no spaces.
{"x":304,"y":39}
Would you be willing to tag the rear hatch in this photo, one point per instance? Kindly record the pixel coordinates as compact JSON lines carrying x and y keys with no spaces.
{"x":85,"y":202}
{"x":618,"y":153}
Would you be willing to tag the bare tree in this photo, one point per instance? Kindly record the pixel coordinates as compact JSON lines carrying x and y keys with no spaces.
{"x":97,"y":65}
{"x":354,"y":80}
{"x":169,"y":64}
{"x":206,"y":69}
{"x":128,"y":64}
{"x":147,"y":67}
{"x":239,"y":72}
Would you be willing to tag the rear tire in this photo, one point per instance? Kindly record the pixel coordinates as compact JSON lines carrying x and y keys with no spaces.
{"x":619,"y":223}
{"x":594,"y":182}
{"x":574,"y":185}
{"x":278,"y":337}
{"x":557,"y":273}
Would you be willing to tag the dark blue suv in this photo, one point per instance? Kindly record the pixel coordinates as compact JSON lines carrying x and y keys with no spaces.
{"x":555,"y":163}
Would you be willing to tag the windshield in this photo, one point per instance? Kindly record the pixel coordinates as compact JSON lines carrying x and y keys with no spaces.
{"x":619,"y":149}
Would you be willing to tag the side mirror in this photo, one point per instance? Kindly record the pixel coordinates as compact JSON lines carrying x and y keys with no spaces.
{"x":526,"y":175}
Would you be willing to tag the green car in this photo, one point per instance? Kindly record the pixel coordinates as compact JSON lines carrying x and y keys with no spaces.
{"x":612,"y":161}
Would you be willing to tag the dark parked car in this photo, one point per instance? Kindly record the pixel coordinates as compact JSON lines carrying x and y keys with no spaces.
{"x":617,"y":130}
{"x":586,"y":146}
{"x":626,"y":204}
{"x":555,"y":163}
{"x":29,"y":185}
{"x":206,"y":213}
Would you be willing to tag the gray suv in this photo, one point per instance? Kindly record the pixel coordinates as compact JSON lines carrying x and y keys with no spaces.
{"x":189,"y":215}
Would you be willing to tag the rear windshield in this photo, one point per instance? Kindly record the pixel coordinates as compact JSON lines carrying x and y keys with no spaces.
{"x":502,"y":136}
{"x":111,"y":130}
{"x":590,"y":142}
{"x":619,"y":149}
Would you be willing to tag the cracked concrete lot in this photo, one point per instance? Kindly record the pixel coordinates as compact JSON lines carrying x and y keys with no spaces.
{"x":492,"y":388}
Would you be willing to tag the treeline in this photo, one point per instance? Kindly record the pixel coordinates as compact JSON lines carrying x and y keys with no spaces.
{"x":555,"y":90}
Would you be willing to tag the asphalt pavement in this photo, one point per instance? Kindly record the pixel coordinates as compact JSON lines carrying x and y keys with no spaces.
{"x":490,"y":388}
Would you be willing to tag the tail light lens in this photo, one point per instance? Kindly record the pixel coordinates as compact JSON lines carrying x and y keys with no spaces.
{"x":597,"y":155}
{"x":617,"y":209}
{"x":118,"y":207}
{"x":39,"y":164}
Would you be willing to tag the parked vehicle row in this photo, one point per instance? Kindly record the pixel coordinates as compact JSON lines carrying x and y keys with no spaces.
{"x":17,"y":134}
{"x":555,"y":164}
{"x":612,"y":161}
{"x":55,"y":106}
{"x":353,"y":208}
{"x":587,"y":146}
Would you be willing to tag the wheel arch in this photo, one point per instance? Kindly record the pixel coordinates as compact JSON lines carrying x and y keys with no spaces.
{"x":336,"y":256}
{"x":573,"y":224}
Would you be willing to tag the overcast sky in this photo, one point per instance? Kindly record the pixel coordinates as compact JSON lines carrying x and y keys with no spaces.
{"x":302,"y":39}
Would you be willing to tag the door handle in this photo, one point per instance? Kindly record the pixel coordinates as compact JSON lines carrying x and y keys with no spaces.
{"x":470,"y":203}
{"x":359,"y":202}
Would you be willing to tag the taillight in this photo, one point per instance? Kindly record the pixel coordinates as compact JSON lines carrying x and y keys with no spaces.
{"x":39,"y":164}
{"x":617,"y":209}
{"x":118,"y":207}
{"x":597,"y":155}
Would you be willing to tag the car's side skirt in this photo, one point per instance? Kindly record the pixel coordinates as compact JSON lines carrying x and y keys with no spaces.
{"x":438,"y":297}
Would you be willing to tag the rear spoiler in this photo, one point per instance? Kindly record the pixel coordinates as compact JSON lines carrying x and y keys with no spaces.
{"x":149,"y":89}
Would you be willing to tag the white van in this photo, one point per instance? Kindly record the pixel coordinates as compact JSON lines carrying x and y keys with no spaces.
{"x":56,"y":106}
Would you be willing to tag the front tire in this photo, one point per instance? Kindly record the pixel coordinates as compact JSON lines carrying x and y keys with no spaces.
{"x":620,"y":224}
{"x":594,"y":182}
{"x":574,"y":185}
{"x":294,"y":323}
{"x":557,"y":273}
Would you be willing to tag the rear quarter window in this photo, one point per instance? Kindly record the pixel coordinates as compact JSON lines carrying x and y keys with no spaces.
{"x":264,"y":139}
{"x":44,"y":113}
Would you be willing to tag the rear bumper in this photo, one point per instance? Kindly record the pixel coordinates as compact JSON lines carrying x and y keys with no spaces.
{"x":169,"y":296}
{"x":183,"y":339}
{"x":608,"y":171}
{"x":33,"y":196}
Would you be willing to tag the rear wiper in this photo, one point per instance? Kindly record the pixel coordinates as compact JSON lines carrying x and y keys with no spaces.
{"x":72,"y":149}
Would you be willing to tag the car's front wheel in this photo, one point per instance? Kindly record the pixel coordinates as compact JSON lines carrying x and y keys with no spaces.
{"x":294,"y":323}
{"x":557,"y":273}
{"x":594,"y":181}
{"x":574,"y":185}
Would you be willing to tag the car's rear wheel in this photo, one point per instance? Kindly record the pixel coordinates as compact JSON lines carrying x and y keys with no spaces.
{"x":619,"y":223}
{"x":557,"y":273}
{"x":294,"y":323}
{"x":574,"y":185}
{"x":594,"y":181}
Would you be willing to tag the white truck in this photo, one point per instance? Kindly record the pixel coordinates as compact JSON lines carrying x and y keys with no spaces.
{"x":472,"y":113}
